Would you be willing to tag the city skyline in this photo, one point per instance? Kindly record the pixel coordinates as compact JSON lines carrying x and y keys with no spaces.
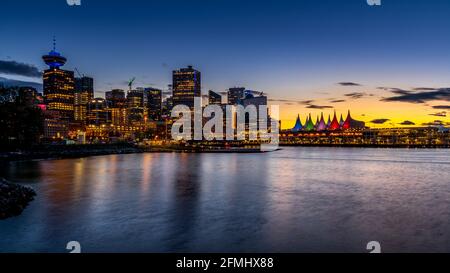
{"x":303,"y":64}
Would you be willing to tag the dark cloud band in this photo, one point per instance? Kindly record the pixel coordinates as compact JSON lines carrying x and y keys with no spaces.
{"x":21,"y":69}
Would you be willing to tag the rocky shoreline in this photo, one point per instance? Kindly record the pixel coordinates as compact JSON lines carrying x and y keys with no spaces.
{"x":14,"y":198}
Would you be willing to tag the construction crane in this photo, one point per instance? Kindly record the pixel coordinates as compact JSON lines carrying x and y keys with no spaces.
{"x":130,"y":83}
{"x":78,"y":72}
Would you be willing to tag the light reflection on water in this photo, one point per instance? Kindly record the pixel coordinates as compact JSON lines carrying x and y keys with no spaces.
{"x":294,"y":200}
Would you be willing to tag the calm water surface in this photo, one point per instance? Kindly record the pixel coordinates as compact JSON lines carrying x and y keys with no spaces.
{"x":294,"y":200}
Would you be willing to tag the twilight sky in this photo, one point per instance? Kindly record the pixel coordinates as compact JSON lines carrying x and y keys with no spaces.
{"x":388,"y":64}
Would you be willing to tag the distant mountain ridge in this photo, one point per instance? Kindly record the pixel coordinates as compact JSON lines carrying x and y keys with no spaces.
{"x":9,"y":82}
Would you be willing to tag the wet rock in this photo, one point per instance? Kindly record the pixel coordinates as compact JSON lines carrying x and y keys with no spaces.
{"x":14,"y":198}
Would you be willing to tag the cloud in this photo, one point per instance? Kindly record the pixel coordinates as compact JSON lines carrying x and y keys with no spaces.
{"x":419,"y":97}
{"x":21,"y":69}
{"x":425,"y":89}
{"x":407,"y":122}
{"x":306,"y":102}
{"x":287,"y":101}
{"x":349,"y":84}
{"x":439,"y":114}
{"x":358,"y":95}
{"x":444,"y":107}
{"x":384,"y":88}
{"x":309,"y":103}
{"x":380,"y":121}
{"x":434,"y":123}
{"x":313,"y":106}
{"x":337,"y":101}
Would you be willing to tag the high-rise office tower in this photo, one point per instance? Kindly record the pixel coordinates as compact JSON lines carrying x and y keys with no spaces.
{"x":115,"y":98}
{"x":116,"y":102}
{"x":97,"y":112}
{"x":136,"y":101}
{"x":214,"y":98}
{"x":235,"y":95}
{"x":167,"y":106}
{"x":186,"y":86}
{"x":86,"y":85}
{"x":58,"y":86}
{"x":84,"y":93}
{"x":154,"y":103}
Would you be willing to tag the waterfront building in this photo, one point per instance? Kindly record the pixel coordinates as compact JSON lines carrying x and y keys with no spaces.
{"x":316,"y":125}
{"x":58,"y":86}
{"x":83,"y":94}
{"x":331,"y":125}
{"x":85,"y":85}
{"x":154,"y":103}
{"x":116,"y":98}
{"x":384,"y":137}
{"x":321,"y":126}
{"x":55,"y":128}
{"x":167,"y":106}
{"x":80,"y":106}
{"x":350,"y":123}
{"x":98,"y":112}
{"x":309,"y":125}
{"x":235,"y":95}
{"x":334,"y":123}
{"x":341,"y":122}
{"x":28,"y":96}
{"x":116,"y":102}
{"x":214,"y":98}
{"x":186,"y":86}
{"x":257,"y":101}
{"x":136,"y":101}
{"x":298,"y":125}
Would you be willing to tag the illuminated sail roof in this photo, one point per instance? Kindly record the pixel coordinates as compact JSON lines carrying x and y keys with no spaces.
{"x":334,"y":123}
{"x":317,"y":123}
{"x":322,"y":126}
{"x":346,"y":124}
{"x":350,"y":123}
{"x":309,"y":125}
{"x":298,"y":125}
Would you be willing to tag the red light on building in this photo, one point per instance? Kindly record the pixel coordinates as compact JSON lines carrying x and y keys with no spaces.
{"x":43,"y":107}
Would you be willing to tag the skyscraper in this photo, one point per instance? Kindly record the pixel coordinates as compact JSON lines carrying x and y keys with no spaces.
{"x":154,"y":103}
{"x":186,"y":86}
{"x":235,"y":95}
{"x":136,"y":102}
{"x":214,"y":98}
{"x":116,"y":102}
{"x":58,"y":86}
{"x":84,"y":93}
{"x":97,"y":112}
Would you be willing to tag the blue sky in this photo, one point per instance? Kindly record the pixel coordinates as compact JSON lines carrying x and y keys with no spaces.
{"x":289,"y":49}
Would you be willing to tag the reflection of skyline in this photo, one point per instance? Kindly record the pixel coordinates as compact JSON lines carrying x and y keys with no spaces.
{"x":293,"y":54}
{"x":295,"y":200}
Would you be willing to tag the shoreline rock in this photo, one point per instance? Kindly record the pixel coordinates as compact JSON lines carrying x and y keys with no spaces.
{"x":14,"y":199}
